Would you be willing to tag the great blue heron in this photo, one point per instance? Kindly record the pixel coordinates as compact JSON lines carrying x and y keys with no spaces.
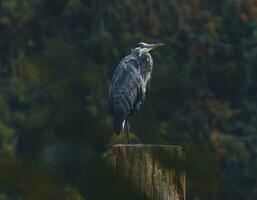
{"x":128,"y":87}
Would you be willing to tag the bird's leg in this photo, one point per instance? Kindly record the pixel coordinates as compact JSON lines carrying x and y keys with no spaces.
{"x":127,"y":127}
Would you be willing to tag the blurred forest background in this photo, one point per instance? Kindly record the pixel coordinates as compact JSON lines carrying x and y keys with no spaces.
{"x":57,"y":58}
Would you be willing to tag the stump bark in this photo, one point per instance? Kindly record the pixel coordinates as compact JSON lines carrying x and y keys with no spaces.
{"x":156,"y":171}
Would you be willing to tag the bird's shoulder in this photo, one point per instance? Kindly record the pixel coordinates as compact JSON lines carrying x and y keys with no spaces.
{"x":129,"y":65}
{"x":129,"y":61}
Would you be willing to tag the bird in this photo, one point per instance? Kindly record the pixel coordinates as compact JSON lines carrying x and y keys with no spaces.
{"x":128,"y":86}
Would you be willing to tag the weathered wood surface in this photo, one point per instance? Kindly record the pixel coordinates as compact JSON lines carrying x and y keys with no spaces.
{"x":157,"y":171}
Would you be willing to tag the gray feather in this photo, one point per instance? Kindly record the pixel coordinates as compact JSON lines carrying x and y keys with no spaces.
{"x":128,"y":87}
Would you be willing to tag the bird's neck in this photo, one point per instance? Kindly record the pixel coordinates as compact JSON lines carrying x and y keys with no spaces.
{"x":135,"y":52}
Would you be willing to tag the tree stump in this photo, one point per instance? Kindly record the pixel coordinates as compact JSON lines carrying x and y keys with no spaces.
{"x":156,"y":171}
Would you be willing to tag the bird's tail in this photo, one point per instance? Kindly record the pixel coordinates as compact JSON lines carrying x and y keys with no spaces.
{"x":118,"y":122}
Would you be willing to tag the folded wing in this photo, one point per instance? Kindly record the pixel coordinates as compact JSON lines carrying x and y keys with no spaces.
{"x":125,"y":92}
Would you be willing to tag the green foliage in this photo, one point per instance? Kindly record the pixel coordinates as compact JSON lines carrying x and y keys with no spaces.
{"x":56,"y":62}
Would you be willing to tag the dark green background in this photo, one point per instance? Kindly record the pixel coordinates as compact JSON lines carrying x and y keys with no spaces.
{"x":56,"y":62}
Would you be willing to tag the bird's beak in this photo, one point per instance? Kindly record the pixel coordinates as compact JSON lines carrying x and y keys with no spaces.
{"x":154,"y":46}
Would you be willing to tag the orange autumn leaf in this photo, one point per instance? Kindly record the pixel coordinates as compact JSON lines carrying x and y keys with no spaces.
{"x":244,"y":17}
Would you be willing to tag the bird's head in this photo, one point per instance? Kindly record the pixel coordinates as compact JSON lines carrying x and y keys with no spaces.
{"x":145,"y":48}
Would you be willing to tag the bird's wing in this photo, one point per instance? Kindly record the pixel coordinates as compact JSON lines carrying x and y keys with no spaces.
{"x":125,"y":92}
{"x":127,"y":80}
{"x":110,"y":100}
